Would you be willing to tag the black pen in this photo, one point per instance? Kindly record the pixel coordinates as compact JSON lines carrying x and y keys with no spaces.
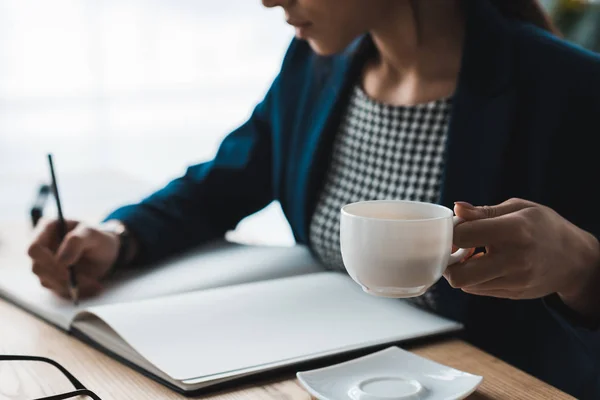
{"x":62,"y":232}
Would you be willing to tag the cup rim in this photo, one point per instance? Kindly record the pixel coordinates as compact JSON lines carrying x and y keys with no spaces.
{"x":347,"y":214}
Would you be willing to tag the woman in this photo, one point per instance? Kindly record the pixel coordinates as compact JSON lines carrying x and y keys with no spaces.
{"x":449,"y":101}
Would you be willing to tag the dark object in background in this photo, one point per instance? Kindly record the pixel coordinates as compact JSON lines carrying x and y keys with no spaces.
{"x":578,"y":20}
{"x":531,"y":11}
{"x":37,"y":210}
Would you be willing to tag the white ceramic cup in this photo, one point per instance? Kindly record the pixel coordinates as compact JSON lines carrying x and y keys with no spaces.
{"x":397,"y":248}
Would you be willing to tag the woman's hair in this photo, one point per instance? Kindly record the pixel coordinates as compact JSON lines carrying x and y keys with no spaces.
{"x":527,"y":11}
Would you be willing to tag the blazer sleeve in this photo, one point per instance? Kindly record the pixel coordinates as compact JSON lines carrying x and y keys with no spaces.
{"x":586,"y":332}
{"x":211,"y":197}
{"x":577,"y":156}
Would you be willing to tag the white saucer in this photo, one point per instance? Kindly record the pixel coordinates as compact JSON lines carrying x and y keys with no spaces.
{"x":390,"y":374}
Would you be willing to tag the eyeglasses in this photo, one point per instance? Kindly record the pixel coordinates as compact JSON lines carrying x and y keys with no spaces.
{"x":80,"y":390}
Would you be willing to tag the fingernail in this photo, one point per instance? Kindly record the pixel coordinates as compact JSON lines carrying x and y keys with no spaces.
{"x":465,"y":204}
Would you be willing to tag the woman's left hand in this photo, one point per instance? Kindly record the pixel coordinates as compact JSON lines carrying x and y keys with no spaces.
{"x":531,"y":252}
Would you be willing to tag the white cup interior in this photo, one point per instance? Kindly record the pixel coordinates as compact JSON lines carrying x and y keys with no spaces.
{"x":396,"y":210}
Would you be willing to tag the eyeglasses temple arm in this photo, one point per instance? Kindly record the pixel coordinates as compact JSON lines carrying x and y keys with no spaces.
{"x":67,"y":374}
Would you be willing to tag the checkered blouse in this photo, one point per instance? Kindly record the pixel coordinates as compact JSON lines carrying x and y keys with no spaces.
{"x":380,"y":152}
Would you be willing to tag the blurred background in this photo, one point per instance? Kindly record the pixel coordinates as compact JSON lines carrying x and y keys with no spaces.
{"x":127,"y":93}
{"x":578,"y":20}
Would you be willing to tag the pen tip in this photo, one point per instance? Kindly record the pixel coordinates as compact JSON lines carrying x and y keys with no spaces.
{"x":74,"y":295}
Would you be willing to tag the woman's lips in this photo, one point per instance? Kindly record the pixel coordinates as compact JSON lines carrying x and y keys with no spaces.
{"x":301,"y":27}
{"x":298,"y":23}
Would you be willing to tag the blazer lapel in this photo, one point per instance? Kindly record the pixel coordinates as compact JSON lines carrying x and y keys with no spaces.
{"x":319,"y":126}
{"x":483,"y":110}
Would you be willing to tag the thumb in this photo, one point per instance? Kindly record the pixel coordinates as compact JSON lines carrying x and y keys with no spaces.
{"x":469,"y":212}
{"x":72,"y":248}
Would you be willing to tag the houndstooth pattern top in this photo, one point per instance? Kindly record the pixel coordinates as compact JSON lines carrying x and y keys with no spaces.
{"x":380,"y":152}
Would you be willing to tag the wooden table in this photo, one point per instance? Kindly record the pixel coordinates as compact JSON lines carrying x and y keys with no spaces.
{"x":21,"y":333}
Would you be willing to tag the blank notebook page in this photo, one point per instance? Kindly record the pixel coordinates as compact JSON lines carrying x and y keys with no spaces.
{"x":219,"y":330}
{"x":214,"y":265}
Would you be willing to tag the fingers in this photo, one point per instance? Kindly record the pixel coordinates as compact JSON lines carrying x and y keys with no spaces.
{"x":484,"y":275}
{"x":57,"y":280}
{"x":51,"y":258}
{"x":46,"y":267}
{"x":73,"y":247}
{"x":46,"y":236}
{"x":469,"y":212}
{"x":479,"y":269}
{"x":501,"y":283}
{"x":503,"y":294}
{"x":88,"y":287}
{"x":488,"y":225}
{"x":469,"y":254}
{"x":45,"y":239}
{"x":484,"y":232}
{"x":504,"y":230}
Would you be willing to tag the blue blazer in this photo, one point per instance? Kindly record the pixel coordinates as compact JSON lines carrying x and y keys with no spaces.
{"x":524,"y":124}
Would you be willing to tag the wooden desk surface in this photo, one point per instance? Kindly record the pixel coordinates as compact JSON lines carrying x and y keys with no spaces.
{"x":21,"y":333}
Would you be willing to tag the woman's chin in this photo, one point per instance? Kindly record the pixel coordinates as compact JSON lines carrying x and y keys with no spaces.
{"x":323,"y":48}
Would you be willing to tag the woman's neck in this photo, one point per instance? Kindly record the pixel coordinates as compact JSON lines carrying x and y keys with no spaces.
{"x":419,"y":47}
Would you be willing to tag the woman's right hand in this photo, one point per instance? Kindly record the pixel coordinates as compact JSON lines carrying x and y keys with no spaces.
{"x":90,"y":250}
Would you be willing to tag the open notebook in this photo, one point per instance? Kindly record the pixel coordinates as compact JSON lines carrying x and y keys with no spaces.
{"x":225,"y":312}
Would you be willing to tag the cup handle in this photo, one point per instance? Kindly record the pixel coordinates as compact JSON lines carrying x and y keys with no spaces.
{"x":459,"y":254}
